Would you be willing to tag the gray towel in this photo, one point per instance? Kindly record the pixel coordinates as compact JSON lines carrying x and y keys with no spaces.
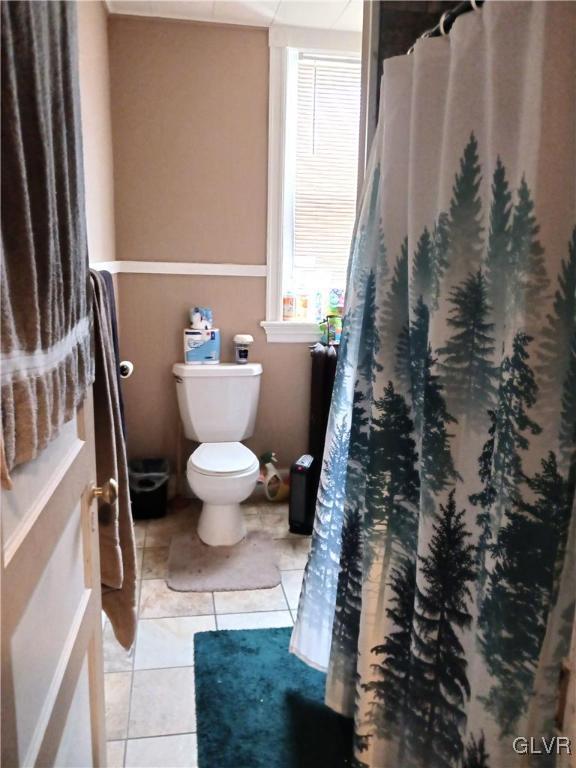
{"x":117,"y":548}
{"x":109,"y":282}
{"x":45,"y":319}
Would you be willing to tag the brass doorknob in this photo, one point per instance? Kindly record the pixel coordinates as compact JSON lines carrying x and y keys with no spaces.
{"x":107,"y":492}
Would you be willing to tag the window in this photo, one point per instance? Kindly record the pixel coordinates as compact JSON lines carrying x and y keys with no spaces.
{"x":314,"y":135}
{"x":328,"y":119}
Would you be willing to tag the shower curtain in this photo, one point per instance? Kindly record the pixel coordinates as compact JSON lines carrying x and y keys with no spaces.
{"x":439,"y":593}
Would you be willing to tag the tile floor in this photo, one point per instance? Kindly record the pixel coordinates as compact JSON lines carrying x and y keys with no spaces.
{"x":150,"y":707}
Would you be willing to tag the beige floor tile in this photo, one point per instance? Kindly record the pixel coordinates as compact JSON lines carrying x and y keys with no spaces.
{"x":250,"y":509}
{"x":140,"y":532}
{"x":139,"y":560}
{"x":161,"y":530}
{"x":169,"y":642}
{"x":252,"y":523}
{"x":116,"y":658}
{"x":162,"y":702}
{"x":275,"y":524}
{"x":250,"y":600}
{"x":117,"y":695}
{"x":256,"y":498}
{"x":263,"y":620}
{"x":115,"y":754}
{"x":292,"y":554}
{"x":162,"y":715}
{"x":292,"y":583}
{"x":162,"y":752}
{"x":157,"y":601}
{"x":155,"y":563}
{"x":271,"y":508}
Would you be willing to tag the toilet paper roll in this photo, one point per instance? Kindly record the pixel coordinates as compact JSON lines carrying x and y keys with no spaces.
{"x":126,"y":369}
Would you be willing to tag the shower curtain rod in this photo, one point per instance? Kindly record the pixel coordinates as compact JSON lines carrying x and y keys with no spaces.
{"x":448,"y":18}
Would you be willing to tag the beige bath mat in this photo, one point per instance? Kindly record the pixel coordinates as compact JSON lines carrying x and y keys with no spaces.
{"x":195,"y":567}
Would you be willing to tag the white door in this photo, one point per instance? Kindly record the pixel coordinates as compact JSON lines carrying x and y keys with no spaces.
{"x":52,"y":672}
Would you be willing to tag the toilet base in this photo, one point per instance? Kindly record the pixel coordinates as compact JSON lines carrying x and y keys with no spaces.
{"x":221,"y":525}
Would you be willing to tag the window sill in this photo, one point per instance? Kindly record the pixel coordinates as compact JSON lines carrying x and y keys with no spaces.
{"x":287,"y":332}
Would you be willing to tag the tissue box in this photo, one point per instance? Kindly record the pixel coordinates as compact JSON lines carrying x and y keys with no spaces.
{"x":201,"y":318}
{"x":201,"y":347}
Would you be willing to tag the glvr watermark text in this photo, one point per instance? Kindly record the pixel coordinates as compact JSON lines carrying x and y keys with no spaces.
{"x":554,"y":745}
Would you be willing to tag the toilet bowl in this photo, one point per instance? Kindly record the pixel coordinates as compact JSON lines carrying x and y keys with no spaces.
{"x":222,"y":475}
{"x":218,"y":405}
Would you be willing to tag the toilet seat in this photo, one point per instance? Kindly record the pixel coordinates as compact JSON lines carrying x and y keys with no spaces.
{"x":223,"y":459}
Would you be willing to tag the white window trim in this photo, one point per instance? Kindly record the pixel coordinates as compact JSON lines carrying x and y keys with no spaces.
{"x":284,"y":44}
{"x":287,"y":332}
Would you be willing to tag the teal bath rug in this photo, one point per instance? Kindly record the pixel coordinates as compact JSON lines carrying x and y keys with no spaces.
{"x":257,"y":706}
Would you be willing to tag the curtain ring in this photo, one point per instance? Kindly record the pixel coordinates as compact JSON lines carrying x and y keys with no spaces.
{"x":474,"y":4}
{"x":443,"y":19}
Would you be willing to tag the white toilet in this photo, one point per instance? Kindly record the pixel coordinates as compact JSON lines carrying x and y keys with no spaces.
{"x":218,"y":406}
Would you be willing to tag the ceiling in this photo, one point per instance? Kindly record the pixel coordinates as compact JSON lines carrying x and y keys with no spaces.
{"x":345,"y":15}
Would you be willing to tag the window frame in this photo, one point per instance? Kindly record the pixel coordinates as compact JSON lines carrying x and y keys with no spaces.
{"x":285,"y":43}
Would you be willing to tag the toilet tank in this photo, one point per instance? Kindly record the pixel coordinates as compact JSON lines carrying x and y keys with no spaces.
{"x":218,"y":403}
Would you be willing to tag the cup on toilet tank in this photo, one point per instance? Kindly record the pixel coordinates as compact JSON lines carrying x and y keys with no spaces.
{"x":242,"y":342}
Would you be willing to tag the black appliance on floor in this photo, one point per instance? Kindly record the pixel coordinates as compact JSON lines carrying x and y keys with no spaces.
{"x":305,"y":473}
{"x":302,"y":495}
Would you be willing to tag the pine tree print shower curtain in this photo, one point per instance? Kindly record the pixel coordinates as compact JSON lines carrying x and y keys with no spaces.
{"x":439,"y":593}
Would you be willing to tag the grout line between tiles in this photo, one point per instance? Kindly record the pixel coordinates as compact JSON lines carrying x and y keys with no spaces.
{"x":286,"y":598}
{"x":164,"y":735}
{"x":245,"y":613}
{"x":167,"y":545}
{"x":183,"y":616}
{"x":163,"y":669}
{"x":214,"y":608}
{"x":133,"y":661}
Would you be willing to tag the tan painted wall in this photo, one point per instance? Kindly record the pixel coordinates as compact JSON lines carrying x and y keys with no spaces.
{"x":96,"y":128}
{"x":153,"y":311}
{"x":190,"y":105}
{"x":190,"y":115}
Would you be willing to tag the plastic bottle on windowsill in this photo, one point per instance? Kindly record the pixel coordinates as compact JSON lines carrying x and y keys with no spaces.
{"x":318,"y":307}
{"x":302,"y":306}
{"x":288,"y":306}
{"x":335,"y":302}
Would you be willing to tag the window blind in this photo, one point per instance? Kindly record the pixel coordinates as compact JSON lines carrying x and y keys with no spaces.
{"x":328,"y":119}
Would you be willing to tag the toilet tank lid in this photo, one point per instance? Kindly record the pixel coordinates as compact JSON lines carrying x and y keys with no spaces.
{"x":217,"y":370}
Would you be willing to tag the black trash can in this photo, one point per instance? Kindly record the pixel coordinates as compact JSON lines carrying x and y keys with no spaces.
{"x":148,"y":480}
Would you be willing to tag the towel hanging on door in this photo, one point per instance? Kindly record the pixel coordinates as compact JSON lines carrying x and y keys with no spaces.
{"x":45,"y":335}
{"x":117,"y":548}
